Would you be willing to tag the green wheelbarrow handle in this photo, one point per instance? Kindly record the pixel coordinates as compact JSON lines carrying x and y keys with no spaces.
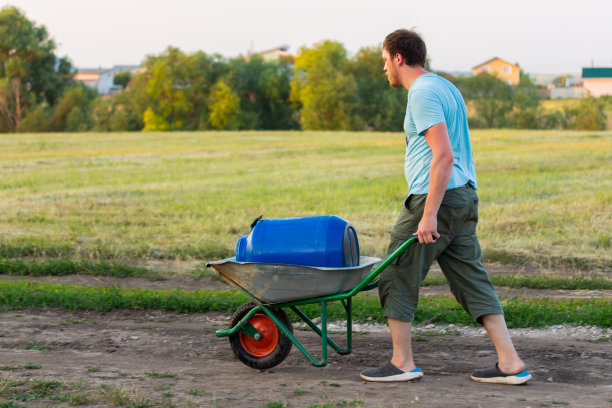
{"x":381,"y":267}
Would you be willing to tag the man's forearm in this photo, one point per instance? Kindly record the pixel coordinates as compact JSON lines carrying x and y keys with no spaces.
{"x":439,"y":176}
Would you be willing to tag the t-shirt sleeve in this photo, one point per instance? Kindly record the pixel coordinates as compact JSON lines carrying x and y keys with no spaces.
{"x":426,"y":109}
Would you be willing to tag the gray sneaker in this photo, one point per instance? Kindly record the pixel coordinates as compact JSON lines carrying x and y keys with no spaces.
{"x":497,"y":376}
{"x":389,"y":372}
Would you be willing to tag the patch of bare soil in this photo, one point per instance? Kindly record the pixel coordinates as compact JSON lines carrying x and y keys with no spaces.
{"x":170,"y":358}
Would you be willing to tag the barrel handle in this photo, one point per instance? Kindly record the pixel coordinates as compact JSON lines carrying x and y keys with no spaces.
{"x":255,"y":221}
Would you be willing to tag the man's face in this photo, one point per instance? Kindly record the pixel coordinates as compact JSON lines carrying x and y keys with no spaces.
{"x":391,"y":69}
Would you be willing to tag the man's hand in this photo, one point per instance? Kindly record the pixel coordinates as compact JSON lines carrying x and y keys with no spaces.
{"x":428,"y":230}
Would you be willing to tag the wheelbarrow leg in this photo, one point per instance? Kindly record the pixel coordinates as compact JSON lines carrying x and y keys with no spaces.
{"x":324,"y":337}
{"x":322,"y":332}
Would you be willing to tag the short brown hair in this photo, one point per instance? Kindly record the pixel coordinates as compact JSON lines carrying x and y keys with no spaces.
{"x":407,"y":43}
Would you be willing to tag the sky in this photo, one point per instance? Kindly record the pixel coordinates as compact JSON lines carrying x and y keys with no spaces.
{"x":542,"y":36}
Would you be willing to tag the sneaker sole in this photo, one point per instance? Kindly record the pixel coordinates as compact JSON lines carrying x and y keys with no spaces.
{"x":511,"y":379}
{"x":392,"y":378}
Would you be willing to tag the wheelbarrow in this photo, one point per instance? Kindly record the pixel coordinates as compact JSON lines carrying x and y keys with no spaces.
{"x":261,"y":333}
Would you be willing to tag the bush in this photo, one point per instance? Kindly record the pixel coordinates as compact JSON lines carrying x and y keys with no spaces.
{"x":101,"y":114}
{"x":77,"y":120}
{"x":119,"y":121}
{"x":590,"y":114}
{"x":72,"y":110}
{"x":37,"y":120}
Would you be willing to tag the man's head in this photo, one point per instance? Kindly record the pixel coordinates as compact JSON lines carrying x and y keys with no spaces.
{"x":408,"y":44}
{"x":402,"y":48}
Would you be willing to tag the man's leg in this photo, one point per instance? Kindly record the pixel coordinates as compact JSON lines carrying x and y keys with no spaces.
{"x":402,"y":344}
{"x":401,"y":367}
{"x":399,"y":292}
{"x":507,"y":357}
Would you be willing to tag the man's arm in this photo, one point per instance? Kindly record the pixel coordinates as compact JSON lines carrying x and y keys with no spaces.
{"x":439,"y":176}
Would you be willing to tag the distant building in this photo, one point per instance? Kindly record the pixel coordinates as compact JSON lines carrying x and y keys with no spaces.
{"x":101,"y":79}
{"x":597,"y":81}
{"x":556,"y":79}
{"x":567,"y":92}
{"x":500,"y":68}
{"x":566,"y":86}
{"x":273,"y":54}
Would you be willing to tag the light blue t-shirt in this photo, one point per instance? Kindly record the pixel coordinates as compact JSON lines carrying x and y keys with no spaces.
{"x":432,"y":100}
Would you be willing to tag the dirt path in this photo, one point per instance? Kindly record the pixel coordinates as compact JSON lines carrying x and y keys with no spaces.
{"x":171,"y":360}
{"x":168,"y":359}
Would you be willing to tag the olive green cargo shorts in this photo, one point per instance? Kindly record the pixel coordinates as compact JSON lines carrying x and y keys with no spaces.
{"x":457,"y":252}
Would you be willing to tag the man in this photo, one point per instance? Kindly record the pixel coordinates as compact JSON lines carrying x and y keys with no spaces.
{"x":442,"y":211}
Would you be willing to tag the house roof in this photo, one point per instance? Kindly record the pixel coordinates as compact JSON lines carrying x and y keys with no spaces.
{"x":493,"y":59}
{"x":93,"y":70}
{"x":597,"y":72}
{"x":87,"y":76}
{"x":283,"y":48}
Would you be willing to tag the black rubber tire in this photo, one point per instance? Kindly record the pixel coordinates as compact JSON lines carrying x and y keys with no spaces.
{"x":280,"y":352}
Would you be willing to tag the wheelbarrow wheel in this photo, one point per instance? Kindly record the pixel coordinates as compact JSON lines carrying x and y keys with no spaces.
{"x":267,"y":352}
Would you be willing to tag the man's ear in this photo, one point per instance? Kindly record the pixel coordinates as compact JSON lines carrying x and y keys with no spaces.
{"x":399,"y":58}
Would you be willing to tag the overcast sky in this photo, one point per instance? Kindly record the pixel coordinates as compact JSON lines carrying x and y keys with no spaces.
{"x":543,"y":36}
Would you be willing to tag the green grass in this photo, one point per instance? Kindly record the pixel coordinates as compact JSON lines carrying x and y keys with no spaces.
{"x":33,"y":345}
{"x":196,"y":392}
{"x":538,"y":282}
{"x":545,"y":195}
{"x":154,"y":374}
{"x":48,"y":392}
{"x":63,"y":267}
{"x":519,"y":311}
{"x":32,"y":366}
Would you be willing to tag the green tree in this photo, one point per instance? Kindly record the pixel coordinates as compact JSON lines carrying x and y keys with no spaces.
{"x":203,"y":71}
{"x":323,"y":87}
{"x":378,"y":107}
{"x":122,"y":78}
{"x":72,"y":111}
{"x":133,"y":101}
{"x":174,"y":91}
{"x":225,"y":108}
{"x":490,"y":97}
{"x":30,"y":73}
{"x":166,"y":89}
{"x":263,"y":89}
{"x":526,"y":113}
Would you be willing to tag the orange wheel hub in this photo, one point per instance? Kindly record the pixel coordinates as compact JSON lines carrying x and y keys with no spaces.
{"x":269,"y":336}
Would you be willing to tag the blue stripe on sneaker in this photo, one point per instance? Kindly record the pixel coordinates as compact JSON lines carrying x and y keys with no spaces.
{"x":418,"y":370}
{"x":523,"y":374}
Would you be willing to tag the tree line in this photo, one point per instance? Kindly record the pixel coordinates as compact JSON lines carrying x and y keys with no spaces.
{"x":323,"y":88}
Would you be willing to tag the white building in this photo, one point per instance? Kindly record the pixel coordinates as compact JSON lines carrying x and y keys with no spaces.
{"x":597,"y":81}
{"x":101,"y":79}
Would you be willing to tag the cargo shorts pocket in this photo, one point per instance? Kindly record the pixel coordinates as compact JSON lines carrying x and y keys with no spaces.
{"x":456,"y":198}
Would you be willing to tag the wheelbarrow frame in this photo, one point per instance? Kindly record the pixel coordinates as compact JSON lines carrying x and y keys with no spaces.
{"x":345,"y":298}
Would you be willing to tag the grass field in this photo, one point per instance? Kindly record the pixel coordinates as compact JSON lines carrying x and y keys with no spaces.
{"x":546,"y":196}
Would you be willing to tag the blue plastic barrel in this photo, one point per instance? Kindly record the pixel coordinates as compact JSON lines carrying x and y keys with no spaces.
{"x":325,"y":241}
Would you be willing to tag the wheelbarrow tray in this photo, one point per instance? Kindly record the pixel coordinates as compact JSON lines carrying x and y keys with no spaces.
{"x":277,"y":283}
